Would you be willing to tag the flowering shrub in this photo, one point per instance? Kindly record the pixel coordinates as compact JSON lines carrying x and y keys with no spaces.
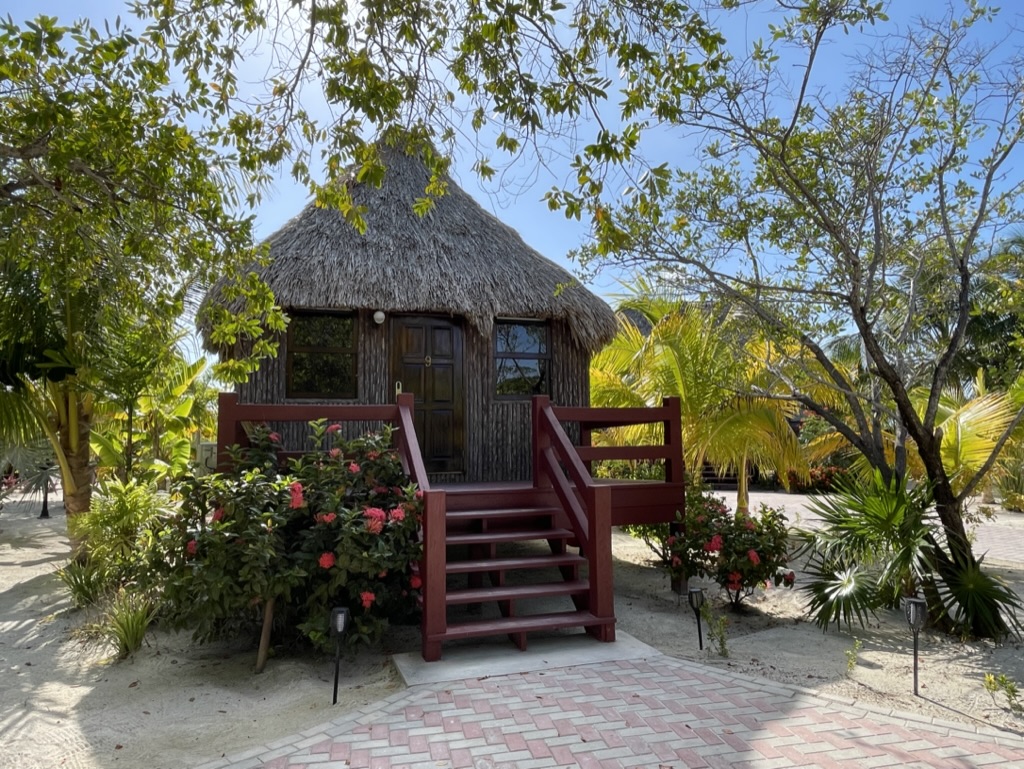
{"x":739,"y":552}
{"x":339,"y":528}
{"x":820,"y":478}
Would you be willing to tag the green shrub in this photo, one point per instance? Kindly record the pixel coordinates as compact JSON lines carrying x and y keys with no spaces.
{"x":115,"y":528}
{"x":340,"y":528}
{"x":84,"y":582}
{"x":127,"y":621}
{"x":739,"y":552}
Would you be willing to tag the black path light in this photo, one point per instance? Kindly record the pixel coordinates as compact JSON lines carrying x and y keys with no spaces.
{"x":695,"y":596}
{"x":917,"y":612}
{"x":339,"y":624}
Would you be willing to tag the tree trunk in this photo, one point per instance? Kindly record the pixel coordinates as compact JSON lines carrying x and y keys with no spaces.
{"x":74,"y":441}
{"x":268,"y":624}
{"x":742,"y":489}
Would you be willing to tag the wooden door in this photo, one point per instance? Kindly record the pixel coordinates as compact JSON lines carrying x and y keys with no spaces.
{"x":426,"y":357}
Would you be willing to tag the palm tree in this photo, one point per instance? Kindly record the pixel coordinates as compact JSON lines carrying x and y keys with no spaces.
{"x":728,"y":415}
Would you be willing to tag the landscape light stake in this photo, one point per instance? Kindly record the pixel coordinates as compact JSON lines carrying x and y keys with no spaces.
{"x":695,"y":596}
{"x":917,"y":612}
{"x":339,"y":624}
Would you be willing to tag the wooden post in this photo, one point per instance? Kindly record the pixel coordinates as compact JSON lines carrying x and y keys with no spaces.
{"x":675,"y":471}
{"x":229,"y":428}
{"x":433,"y":569}
{"x":599,"y":556}
{"x":540,"y":439}
{"x":675,"y":466}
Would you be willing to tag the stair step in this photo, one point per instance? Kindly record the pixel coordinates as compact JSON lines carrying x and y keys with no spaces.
{"x":500,"y":513}
{"x":514,"y":592}
{"x":495,"y":537}
{"x":523,"y":624}
{"x":507,"y":564}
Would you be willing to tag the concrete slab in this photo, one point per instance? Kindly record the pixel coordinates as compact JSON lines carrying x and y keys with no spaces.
{"x":497,"y":657}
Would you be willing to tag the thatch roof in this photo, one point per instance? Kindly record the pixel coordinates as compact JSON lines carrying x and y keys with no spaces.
{"x":457,"y":260}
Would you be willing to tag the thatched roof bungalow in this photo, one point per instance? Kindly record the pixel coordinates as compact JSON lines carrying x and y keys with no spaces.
{"x":452,"y":306}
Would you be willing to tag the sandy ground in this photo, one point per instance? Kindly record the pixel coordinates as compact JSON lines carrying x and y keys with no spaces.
{"x":65,"y":701}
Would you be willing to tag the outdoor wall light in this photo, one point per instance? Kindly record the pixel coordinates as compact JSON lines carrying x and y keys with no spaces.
{"x":695,"y":596}
{"x":917,"y":613}
{"x":378,"y":317}
{"x":339,"y":624}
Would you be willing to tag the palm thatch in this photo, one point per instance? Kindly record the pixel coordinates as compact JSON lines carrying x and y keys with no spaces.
{"x":457,"y":259}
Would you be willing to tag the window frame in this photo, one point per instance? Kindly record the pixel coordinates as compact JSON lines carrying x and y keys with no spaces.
{"x":545,"y":356}
{"x":292,"y":348}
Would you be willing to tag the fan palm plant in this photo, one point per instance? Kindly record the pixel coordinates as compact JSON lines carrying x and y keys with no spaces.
{"x":881,"y":542}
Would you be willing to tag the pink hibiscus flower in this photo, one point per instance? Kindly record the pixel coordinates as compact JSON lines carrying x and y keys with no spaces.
{"x":397,"y":514}
{"x":354,"y":468}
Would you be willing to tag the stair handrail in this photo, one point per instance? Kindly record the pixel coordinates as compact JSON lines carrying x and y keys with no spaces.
{"x":587,"y":505}
{"x":433,"y":531}
{"x":408,"y":444}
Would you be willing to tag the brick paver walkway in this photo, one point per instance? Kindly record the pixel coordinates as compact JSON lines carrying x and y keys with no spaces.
{"x":660,"y":713}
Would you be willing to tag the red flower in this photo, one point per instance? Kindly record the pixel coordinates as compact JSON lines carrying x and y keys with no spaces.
{"x":373,"y":455}
{"x":274,"y":438}
{"x":419,"y":494}
{"x":374,"y":526}
{"x":325,"y":517}
{"x":735,"y":581}
{"x":326,"y":560}
{"x":367,"y":598}
{"x":380,"y":489}
{"x":397,"y":514}
{"x":218,"y":514}
{"x":296,"y":491}
{"x":192,"y":547}
{"x":754,"y":557}
{"x":353,"y":468}
{"x":677,"y":561}
{"x":671,"y":541}
{"x":333,"y":428}
{"x":334,"y":453}
{"x":415,"y":582}
{"x":789,"y":578}
{"x":714,"y":545}
{"x":375,"y":514}
{"x":750,"y":525}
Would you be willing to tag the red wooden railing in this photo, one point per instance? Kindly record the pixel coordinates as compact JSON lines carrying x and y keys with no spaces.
{"x":592,"y":506}
{"x":588,"y":507}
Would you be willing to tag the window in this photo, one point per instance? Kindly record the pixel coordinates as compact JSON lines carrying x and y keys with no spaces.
{"x":321,"y":359}
{"x":522,"y":359}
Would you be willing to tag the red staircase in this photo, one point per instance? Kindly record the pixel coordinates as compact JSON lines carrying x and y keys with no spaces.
{"x":510,"y":568}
